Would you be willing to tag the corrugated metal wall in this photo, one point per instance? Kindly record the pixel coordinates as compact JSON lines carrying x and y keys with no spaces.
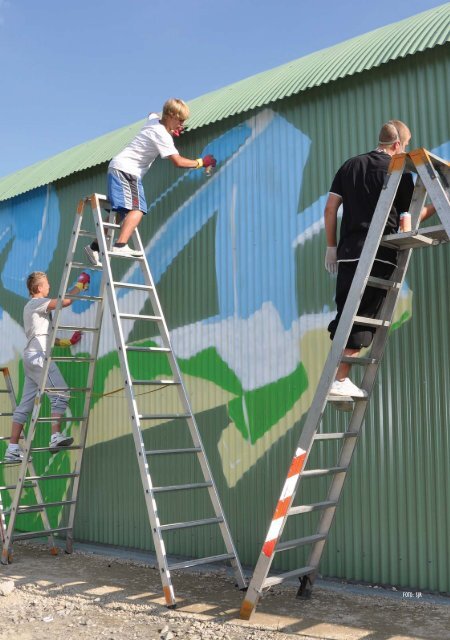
{"x":238,"y":259}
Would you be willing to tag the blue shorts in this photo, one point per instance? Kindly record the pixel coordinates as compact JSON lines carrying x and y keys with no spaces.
{"x":125,"y":192}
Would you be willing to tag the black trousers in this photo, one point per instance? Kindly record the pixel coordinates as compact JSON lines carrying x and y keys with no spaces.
{"x":369,"y":307}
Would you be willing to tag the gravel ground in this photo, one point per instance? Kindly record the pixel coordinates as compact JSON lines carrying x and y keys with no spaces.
{"x":80,"y":596}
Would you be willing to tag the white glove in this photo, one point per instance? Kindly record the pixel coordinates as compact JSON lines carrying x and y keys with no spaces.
{"x":331,"y":264}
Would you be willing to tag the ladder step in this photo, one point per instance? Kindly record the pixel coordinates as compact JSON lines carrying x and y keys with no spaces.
{"x":187,"y":525}
{"x":161,"y":452}
{"x":67,"y":327}
{"x":357,"y":360}
{"x":371,"y":322}
{"x":73,"y":447}
{"x":409,"y":240}
{"x":316,"y":506}
{"x":282,"y":577}
{"x":181,"y":487}
{"x":39,"y":507}
{"x":84,"y":297}
{"x":111,"y":225}
{"x":155,"y":382}
{"x":149,"y":349}
{"x":196,"y":561}
{"x":63,"y":419}
{"x":300,"y":542}
{"x":165,"y":416}
{"x":335,"y":435}
{"x":137,"y":316}
{"x":76,"y":389}
{"x":39,"y":534}
{"x":27,"y":485}
{"x":83,"y":233}
{"x":72,"y":359}
{"x":131,"y":285}
{"x":313,"y":473}
{"x":346,"y":399}
{"x":380,"y":283}
{"x":55,"y":477}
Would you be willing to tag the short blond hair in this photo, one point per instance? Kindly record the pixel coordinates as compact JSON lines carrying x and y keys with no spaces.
{"x":33,"y":281}
{"x":175,"y":107}
{"x":394,"y":131}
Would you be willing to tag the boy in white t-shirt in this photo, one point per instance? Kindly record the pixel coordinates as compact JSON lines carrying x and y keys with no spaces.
{"x":127,"y":168}
{"x":36,"y":320}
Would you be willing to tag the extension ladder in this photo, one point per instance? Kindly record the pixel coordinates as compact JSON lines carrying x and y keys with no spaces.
{"x":433,"y":177}
{"x":141,"y":290}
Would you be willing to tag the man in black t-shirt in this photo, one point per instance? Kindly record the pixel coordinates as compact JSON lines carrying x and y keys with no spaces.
{"x":357,"y":186}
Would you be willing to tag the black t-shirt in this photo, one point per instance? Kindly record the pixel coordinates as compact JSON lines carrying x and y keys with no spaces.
{"x":359,"y":182}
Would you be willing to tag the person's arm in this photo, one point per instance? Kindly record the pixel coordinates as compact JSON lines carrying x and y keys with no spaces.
{"x":330,"y":219}
{"x":186,"y":163}
{"x":82,"y":284}
{"x":427,"y":212}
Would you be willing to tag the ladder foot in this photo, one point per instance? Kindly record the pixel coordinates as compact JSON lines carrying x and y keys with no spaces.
{"x":54,"y":551}
{"x":172,"y":606}
{"x":305,"y":588}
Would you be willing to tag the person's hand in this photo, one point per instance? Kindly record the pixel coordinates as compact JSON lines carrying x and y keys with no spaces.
{"x":83,"y":281}
{"x":331,"y":264}
{"x":209,"y":161}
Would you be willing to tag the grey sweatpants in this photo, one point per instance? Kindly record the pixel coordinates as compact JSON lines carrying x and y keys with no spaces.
{"x":33,"y":363}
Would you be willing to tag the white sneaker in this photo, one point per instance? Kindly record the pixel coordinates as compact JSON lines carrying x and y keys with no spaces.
{"x":93,"y":256}
{"x":347,"y":388}
{"x":13,"y":455}
{"x":58,"y":441}
{"x":126,"y":251}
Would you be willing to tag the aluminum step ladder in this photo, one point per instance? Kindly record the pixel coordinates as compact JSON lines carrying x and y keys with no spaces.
{"x":9,"y":469}
{"x":141,"y":289}
{"x":433,"y":178}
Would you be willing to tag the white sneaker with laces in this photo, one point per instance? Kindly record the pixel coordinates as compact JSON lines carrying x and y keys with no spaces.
{"x":126,"y":251}
{"x":13,"y":455}
{"x":347,"y":389}
{"x":58,"y":441}
{"x":93,"y":256}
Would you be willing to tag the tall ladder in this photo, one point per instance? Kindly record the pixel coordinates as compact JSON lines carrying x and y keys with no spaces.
{"x":433,"y":177}
{"x":30,"y":483}
{"x":142,"y":290}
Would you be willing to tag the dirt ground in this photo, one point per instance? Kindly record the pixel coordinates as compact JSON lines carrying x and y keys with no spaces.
{"x":92,"y":595}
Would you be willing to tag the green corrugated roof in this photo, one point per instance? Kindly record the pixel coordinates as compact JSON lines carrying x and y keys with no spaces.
{"x":423,"y":31}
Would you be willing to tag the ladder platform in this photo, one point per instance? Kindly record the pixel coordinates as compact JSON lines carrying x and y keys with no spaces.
{"x":39,"y":534}
{"x":314,"y":473}
{"x":165,"y":416}
{"x":371,"y":322}
{"x":282,"y":577}
{"x":182,"y":487}
{"x":301,"y":542}
{"x":315,"y":506}
{"x":197,"y":561}
{"x":189,"y":525}
{"x":167,"y":452}
{"x":426,"y":237}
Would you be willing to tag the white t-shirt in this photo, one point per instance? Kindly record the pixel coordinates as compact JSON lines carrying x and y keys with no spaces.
{"x":153,"y":140}
{"x":36,"y":322}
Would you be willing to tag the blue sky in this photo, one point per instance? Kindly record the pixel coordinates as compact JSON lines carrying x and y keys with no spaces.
{"x":72,"y":70}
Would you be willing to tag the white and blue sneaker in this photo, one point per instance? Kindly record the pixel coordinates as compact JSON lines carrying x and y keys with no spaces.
{"x":58,"y":441}
{"x":13,"y":454}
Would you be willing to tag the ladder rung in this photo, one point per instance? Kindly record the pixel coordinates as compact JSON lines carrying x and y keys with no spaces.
{"x":63,"y":389}
{"x":159,"y":452}
{"x":67,"y":327}
{"x":371,"y":322}
{"x":131,"y":285}
{"x":155,"y":382}
{"x":83,"y":233}
{"x":300,"y":542}
{"x":137,"y":316}
{"x":149,"y":349}
{"x":187,"y":525}
{"x":312,"y":473}
{"x":357,"y":360}
{"x":10,"y":487}
{"x":346,"y":399}
{"x":73,"y":447}
{"x":39,"y":534}
{"x":380,"y":283}
{"x":165,"y":416}
{"x":282,"y":577}
{"x":39,"y":507}
{"x":182,"y":487}
{"x":111,"y":225}
{"x":196,"y":561}
{"x":56,"y":476}
{"x":316,"y":506}
{"x":72,"y":359}
{"x":63,"y":419}
{"x":335,"y":435}
{"x":84,"y":297}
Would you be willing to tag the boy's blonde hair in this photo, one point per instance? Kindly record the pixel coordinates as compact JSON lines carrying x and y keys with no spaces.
{"x":394,"y":131}
{"x":33,"y":281}
{"x":175,"y":107}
